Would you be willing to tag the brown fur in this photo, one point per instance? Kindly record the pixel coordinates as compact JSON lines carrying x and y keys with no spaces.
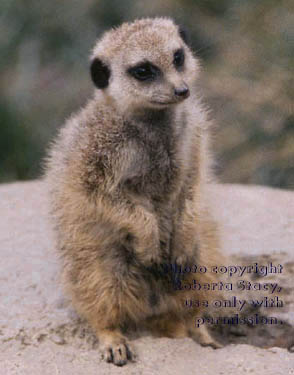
{"x":128,"y":183}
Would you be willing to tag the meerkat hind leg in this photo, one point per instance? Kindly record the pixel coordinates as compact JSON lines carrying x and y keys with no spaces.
{"x":167,"y":325}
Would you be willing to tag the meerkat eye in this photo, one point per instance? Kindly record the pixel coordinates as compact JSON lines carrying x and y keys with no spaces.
{"x":144,"y":72}
{"x":179,"y":58}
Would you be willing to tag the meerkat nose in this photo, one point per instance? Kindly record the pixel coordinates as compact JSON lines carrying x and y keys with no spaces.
{"x":183,"y":92}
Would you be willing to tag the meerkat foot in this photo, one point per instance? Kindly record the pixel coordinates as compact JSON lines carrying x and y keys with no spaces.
{"x":203,"y":337}
{"x":115,"y":349}
{"x":118,"y":354}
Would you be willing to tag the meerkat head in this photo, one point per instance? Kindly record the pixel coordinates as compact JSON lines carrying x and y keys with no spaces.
{"x":144,"y":64}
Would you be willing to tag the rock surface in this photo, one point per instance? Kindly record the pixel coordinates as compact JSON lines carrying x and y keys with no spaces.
{"x":40,"y":334}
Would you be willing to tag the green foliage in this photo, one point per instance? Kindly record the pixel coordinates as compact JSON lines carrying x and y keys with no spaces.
{"x":246,"y":47}
{"x":19,"y":153}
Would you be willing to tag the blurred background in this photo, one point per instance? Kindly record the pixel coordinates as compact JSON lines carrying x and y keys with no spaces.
{"x":247,"y":53}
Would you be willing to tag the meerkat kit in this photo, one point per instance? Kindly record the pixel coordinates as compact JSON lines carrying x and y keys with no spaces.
{"x":128,"y":178}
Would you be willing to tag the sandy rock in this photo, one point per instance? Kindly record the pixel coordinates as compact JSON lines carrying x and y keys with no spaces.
{"x":40,"y":334}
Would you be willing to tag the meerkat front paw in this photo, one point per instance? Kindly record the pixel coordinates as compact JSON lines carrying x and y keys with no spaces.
{"x":183,"y":259}
{"x":150,"y":257}
{"x":149,"y":251}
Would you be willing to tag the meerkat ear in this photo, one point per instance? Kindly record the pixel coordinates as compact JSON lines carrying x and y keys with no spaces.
{"x":100,"y":73}
{"x":183,"y":35}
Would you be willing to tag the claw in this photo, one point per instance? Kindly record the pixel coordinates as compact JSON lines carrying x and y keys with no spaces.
{"x":118,"y":354}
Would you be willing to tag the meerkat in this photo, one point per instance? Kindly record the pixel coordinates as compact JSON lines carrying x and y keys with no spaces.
{"x":128,"y":178}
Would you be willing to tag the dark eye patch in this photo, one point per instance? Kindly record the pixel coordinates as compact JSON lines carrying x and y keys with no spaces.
{"x":179,"y":58}
{"x":144,"y":71}
{"x":100,"y":73}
